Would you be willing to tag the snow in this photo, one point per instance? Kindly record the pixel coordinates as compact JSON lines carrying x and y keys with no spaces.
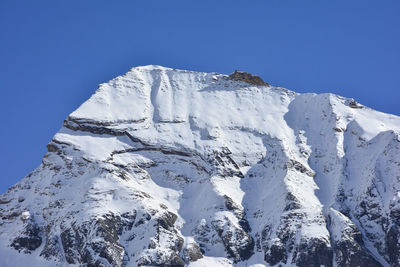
{"x":10,"y":257}
{"x":197,"y":113}
{"x":25,"y":215}
{"x":211,"y":261}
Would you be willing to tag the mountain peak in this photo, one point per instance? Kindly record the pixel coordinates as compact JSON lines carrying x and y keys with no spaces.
{"x":150,"y":68}
{"x":165,"y":167}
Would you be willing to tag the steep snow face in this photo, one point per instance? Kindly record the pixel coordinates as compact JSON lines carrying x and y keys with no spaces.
{"x":165,"y":167}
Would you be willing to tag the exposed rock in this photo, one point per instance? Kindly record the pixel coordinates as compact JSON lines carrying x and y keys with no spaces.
{"x":276,"y":253}
{"x":313,"y":253}
{"x":30,"y":239}
{"x":300,"y":167}
{"x":350,"y":253}
{"x":354,"y":104}
{"x":95,"y":242}
{"x":192,"y":252}
{"x":349,"y":246}
{"x":238,"y":244}
{"x":393,"y":245}
{"x":224,"y":164}
{"x":248,"y":78}
{"x":5,"y":201}
{"x":171,"y":260}
{"x":167,"y":220}
{"x":235,"y":208}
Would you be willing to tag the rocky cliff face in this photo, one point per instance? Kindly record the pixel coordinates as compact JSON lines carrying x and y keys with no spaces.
{"x":164,"y":167}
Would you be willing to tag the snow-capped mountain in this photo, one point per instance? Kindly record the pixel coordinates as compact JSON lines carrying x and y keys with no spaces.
{"x":166,"y":167}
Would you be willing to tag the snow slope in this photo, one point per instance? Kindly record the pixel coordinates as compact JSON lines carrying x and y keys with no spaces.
{"x":166,"y":167}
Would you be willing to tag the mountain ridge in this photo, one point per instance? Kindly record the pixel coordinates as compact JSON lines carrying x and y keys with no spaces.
{"x":166,"y":167}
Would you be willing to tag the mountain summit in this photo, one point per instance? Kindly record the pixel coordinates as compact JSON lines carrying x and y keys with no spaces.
{"x":166,"y":167}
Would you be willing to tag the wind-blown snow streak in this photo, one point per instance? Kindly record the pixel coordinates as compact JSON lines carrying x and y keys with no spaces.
{"x":165,"y":167}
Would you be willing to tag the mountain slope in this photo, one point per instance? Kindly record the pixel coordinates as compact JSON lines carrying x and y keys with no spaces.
{"x":165,"y":167}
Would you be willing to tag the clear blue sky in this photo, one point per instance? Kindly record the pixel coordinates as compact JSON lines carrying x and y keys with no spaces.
{"x":53,"y":54}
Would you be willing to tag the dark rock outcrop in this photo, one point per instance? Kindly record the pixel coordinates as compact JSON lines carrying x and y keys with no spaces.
{"x":248,"y":78}
{"x":354,"y":104}
{"x":95,"y":243}
{"x":192,"y":252}
{"x":313,"y":253}
{"x":276,"y":253}
{"x":30,"y":239}
{"x":393,"y":245}
{"x":238,"y":244}
{"x":80,"y":244}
